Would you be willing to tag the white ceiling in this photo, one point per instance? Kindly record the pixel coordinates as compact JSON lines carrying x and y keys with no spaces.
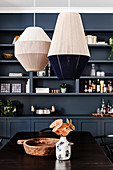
{"x":56,"y":3}
{"x":53,"y":6}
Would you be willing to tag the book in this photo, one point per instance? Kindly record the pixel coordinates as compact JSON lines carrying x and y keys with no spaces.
{"x":42,"y":90}
{"x":15,"y":74}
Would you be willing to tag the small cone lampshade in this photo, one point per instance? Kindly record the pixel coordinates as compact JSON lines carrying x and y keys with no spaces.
{"x":31,"y":49}
{"x":68,"y":53}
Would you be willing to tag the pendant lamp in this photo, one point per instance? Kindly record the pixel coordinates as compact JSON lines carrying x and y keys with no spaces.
{"x":68,"y":53}
{"x":31,"y":49}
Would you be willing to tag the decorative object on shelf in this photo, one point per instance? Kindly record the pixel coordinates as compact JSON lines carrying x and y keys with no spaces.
{"x":39,"y":146}
{"x":63,"y":87}
{"x":49,"y":69}
{"x":41,"y":73}
{"x":15,"y":39}
{"x":28,"y":86}
{"x":15,"y":74}
{"x":111,"y":44}
{"x":5,"y":87}
{"x":63,"y":147}
{"x":7,"y":56}
{"x":105,"y":110}
{"x":68,"y":53}
{"x":16,"y":88}
{"x":44,"y":111}
{"x":8,"y":108}
{"x":91,"y":39}
{"x":93,"y":70}
{"x":55,"y":91}
{"x":31,"y":49}
{"x":42,"y":90}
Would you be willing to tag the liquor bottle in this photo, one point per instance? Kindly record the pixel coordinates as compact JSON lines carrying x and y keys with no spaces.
{"x":103,"y":103}
{"x":108,"y":107}
{"x":90,"y":87}
{"x":98,"y":86}
{"x":110,"y":86}
{"x":86,"y":87}
{"x":93,"y":70}
{"x":105,"y":87}
{"x":102,"y":86}
{"x":103,"y":107}
{"x":94,"y":86}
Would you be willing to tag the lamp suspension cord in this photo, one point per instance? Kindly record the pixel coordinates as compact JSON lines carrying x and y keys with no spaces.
{"x":68,"y":5}
{"x":34,"y":13}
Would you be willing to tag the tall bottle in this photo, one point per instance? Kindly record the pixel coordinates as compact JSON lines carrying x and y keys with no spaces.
{"x":86,"y":87}
{"x":93,"y":70}
{"x":110,"y":86}
{"x":90,"y":87}
{"x":98,"y":86}
{"x":94,"y":86}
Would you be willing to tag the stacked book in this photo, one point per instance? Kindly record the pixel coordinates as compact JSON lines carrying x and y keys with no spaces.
{"x":42,"y":90}
{"x":15,"y":74}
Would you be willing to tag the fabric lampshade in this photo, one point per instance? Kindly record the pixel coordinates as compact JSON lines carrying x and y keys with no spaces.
{"x":68,"y":53}
{"x":31,"y":49}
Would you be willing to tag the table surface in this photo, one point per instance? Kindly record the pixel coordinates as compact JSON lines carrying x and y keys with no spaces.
{"x":86,"y":154}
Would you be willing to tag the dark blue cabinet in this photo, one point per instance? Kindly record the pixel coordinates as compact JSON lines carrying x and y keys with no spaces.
{"x":92,"y":126}
{"x":107,"y":127}
{"x":15,"y":125}
{"x":38,"y":124}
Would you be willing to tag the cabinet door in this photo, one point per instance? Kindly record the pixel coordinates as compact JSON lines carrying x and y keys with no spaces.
{"x":17,"y":125}
{"x":3,"y":127}
{"x":92,"y":126}
{"x":37,"y":125}
{"x":107,"y":127}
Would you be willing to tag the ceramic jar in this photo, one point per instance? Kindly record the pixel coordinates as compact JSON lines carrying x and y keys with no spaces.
{"x":63,"y":149}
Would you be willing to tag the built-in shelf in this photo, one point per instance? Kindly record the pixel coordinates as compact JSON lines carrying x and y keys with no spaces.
{"x":6,"y":45}
{"x":9,"y":61}
{"x":100,"y":61}
{"x":95,"y":94}
{"x":95,"y":77}
{"x":56,"y":94}
{"x":45,"y":77}
{"x":98,"y":30}
{"x":12,"y":77}
{"x":98,"y":45}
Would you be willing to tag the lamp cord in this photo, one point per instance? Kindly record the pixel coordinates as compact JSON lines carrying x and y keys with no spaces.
{"x":34,"y":13}
{"x":68,"y":5}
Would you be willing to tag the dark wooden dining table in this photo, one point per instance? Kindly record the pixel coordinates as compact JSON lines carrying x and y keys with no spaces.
{"x":86,"y":154}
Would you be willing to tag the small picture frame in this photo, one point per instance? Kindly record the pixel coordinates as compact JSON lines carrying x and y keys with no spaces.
{"x":5,"y":88}
{"x":16,"y":88}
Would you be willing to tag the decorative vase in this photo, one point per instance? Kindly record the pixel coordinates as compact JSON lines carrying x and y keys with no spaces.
{"x":63,"y":149}
{"x":63,"y":90}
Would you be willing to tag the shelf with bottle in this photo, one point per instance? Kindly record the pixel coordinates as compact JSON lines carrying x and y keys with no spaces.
{"x":99,"y":86}
{"x":104,"y":110}
{"x":100,"y":61}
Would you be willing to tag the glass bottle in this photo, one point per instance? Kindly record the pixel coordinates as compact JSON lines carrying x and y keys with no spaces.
{"x":105,"y":87}
{"x":110,"y":86}
{"x":93,"y":70}
{"x":94,"y":86}
{"x":86,"y":87}
{"x":98,"y":86}
{"x":90,"y":87}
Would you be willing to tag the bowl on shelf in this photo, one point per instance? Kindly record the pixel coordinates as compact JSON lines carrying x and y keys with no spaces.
{"x":7,"y":56}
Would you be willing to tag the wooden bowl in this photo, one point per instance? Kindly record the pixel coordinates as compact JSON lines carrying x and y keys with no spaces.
{"x":39,"y":146}
{"x":7,"y":56}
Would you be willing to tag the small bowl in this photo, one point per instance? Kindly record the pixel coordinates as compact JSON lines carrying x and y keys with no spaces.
{"x":7,"y":56}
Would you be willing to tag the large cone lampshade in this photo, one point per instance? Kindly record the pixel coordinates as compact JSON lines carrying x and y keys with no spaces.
{"x":68,"y":53}
{"x":31,"y":49}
